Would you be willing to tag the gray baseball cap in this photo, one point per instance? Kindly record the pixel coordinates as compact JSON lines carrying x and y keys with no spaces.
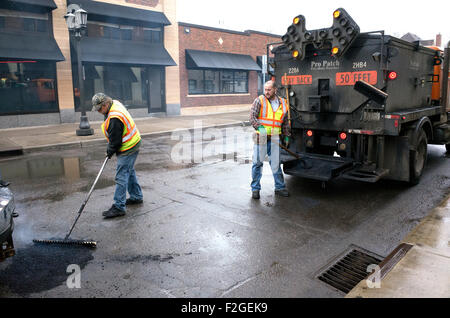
{"x":97,"y":101}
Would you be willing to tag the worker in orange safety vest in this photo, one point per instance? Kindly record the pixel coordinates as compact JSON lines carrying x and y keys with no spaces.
{"x":268,"y":116}
{"x":124,"y":140}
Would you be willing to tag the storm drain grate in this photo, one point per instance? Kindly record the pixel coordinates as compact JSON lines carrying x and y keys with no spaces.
{"x":349,"y":270}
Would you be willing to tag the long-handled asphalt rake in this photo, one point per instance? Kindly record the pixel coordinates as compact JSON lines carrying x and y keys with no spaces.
{"x":66,"y":240}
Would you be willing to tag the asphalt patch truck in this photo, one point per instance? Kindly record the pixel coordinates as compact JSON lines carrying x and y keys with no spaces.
{"x":363,"y":106}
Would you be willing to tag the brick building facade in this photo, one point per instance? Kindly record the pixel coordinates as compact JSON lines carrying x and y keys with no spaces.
{"x":208,"y":39}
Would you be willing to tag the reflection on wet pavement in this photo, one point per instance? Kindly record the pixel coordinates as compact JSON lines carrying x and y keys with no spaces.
{"x":38,"y":167}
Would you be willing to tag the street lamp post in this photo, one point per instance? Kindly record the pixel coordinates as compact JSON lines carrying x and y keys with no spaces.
{"x":76,"y":19}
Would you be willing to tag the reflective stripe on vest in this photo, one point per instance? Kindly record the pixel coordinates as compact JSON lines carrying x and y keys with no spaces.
{"x":130,"y":135}
{"x":270,"y":119}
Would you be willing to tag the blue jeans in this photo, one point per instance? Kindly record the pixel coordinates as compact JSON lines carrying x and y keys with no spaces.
{"x":126,"y":180}
{"x":259,"y":153}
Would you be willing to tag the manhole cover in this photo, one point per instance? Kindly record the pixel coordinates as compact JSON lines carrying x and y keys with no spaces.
{"x":348,"y":269}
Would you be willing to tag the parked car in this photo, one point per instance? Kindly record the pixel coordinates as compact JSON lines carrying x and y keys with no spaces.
{"x":7,"y":212}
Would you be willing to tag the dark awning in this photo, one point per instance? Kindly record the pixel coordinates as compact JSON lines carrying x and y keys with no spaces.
{"x":28,"y":5}
{"x":106,"y":12}
{"x":100,"y":50}
{"x":207,"y":60}
{"x":25,"y":46}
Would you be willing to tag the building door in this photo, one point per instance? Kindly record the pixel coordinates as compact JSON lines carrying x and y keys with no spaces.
{"x":156,"y":89}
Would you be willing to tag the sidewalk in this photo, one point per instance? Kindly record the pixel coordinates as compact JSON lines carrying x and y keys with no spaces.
{"x":420,"y":266}
{"x":63,"y":136}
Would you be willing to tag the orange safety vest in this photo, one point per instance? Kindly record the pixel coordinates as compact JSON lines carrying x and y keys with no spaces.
{"x":271,"y":119}
{"x":130,"y":135}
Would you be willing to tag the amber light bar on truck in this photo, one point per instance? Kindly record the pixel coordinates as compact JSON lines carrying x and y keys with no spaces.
{"x":338,"y":38}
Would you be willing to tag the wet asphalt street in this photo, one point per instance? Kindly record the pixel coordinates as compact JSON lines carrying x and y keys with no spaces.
{"x":199,"y":233}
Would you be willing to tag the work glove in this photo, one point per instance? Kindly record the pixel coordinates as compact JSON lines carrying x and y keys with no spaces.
{"x":262,"y":130}
{"x":109,"y":153}
{"x":3,"y":183}
{"x":287,"y":141}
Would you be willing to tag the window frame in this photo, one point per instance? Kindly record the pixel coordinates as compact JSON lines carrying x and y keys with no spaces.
{"x":126,"y":32}
{"x":35,"y":22}
{"x":221,"y":83}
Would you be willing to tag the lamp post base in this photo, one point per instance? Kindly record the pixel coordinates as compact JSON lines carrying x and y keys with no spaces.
{"x":85,"y":129}
{"x":85,"y":132}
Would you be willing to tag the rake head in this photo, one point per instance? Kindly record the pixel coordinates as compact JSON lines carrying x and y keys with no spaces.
{"x":91,"y":244}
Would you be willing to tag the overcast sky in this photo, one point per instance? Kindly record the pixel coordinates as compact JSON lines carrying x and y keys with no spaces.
{"x":396,"y":17}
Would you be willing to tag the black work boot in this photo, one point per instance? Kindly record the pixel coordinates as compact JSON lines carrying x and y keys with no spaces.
{"x":113,"y":212}
{"x":282,"y":193}
{"x":131,"y":201}
{"x":255,"y":194}
{"x":3,"y":183}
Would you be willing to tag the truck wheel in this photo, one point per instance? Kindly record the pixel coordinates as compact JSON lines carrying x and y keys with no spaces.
{"x":418,"y":158}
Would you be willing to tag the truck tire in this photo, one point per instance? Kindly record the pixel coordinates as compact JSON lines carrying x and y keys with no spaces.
{"x":418,"y":158}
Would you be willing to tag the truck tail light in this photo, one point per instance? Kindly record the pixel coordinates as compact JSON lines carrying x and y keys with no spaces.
{"x":309,"y":133}
{"x":392,"y":75}
{"x":343,"y":136}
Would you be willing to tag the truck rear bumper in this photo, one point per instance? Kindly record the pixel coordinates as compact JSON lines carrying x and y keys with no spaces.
{"x":317,"y":167}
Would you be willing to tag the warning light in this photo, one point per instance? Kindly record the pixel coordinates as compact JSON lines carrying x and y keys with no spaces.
{"x":296,"y":20}
{"x":335,"y":50}
{"x":392,"y":75}
{"x":309,"y":133}
{"x":343,"y":136}
{"x":336,"y":14}
{"x":295,"y":54}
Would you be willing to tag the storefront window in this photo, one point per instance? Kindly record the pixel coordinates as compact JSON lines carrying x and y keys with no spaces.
{"x":227,"y":81}
{"x":212,"y":82}
{"x":27,"y":87}
{"x":124,"y":83}
{"x":23,"y":21}
{"x":196,"y":82}
{"x":217,"y":82}
{"x":152,"y":35}
{"x":124,"y":32}
{"x":240,"y":82}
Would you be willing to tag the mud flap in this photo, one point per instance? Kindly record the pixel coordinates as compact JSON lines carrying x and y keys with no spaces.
{"x":317,"y":167}
{"x":396,"y":158}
